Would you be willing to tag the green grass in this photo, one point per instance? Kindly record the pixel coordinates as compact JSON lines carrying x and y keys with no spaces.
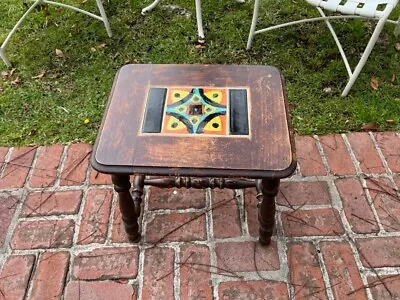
{"x":52,"y":109}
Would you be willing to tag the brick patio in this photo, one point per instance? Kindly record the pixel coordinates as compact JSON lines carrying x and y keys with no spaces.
{"x":337,"y":237}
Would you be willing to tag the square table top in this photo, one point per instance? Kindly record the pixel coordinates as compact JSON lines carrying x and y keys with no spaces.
{"x":196,"y":120}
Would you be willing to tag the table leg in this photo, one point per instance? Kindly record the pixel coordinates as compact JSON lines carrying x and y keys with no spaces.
{"x":122,"y":186}
{"x":137,"y":192}
{"x":267,"y":190}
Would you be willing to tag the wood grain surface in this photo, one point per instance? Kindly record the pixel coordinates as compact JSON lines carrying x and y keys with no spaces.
{"x":269,"y":147}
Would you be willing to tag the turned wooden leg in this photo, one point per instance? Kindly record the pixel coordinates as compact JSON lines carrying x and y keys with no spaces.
{"x":122,"y":186}
{"x":137,"y":192}
{"x":267,"y":189}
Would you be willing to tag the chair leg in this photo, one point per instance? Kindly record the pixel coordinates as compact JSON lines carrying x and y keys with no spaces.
{"x":150,"y":7}
{"x":253,"y":24}
{"x":199,"y":19}
{"x":16,"y":26}
{"x":365,"y":56}
{"x":104,"y":17}
{"x":4,"y":58}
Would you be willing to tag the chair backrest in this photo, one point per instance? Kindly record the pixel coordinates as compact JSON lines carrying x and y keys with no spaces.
{"x":365,"y":8}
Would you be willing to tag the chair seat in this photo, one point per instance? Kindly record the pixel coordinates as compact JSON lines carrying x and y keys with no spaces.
{"x":364,"y":8}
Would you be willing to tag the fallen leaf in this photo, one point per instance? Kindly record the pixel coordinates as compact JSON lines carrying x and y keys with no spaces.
{"x":393,"y":78}
{"x":93,"y":49}
{"x":39,"y":75}
{"x":397,"y":46}
{"x":59,"y":53}
{"x":12,"y":71}
{"x":1,"y":89}
{"x":101,"y":46}
{"x":86,"y":121}
{"x":390,"y":121}
{"x":369,"y":127}
{"x":116,"y":55}
{"x":200,"y":46}
{"x":4,"y":74}
{"x":374,"y":83}
{"x":17,"y":81}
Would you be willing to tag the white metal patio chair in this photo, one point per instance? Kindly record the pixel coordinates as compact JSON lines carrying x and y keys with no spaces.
{"x":102,"y":18}
{"x":372,"y":9}
{"x":199,"y":18}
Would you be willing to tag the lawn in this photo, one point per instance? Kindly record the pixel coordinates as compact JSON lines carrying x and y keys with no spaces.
{"x":52,"y":98}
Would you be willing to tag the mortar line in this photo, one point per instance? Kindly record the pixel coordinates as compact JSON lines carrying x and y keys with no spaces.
{"x":7,"y":158}
{"x":239,"y":195}
{"x":177,"y":273}
{"x":363,"y":182}
{"x":84,"y":187}
{"x":141,"y":244}
{"x":24,"y":195}
{"x":63,"y":161}
{"x":211,"y":243}
{"x":337,"y":202}
{"x":322,"y":154}
{"x":282,"y":247}
{"x":110,"y":227}
{"x":324,"y":271}
{"x":380,"y":153}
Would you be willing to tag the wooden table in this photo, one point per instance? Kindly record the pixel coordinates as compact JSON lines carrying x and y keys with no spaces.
{"x":216,"y":125}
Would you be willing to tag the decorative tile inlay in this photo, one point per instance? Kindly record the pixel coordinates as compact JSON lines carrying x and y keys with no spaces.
{"x":186,"y":110}
{"x":195,"y":111}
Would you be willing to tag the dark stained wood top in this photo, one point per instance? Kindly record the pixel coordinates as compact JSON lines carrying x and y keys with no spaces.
{"x":123,"y":146}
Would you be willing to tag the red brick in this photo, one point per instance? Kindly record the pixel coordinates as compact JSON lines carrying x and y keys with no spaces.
{"x":99,"y":178}
{"x":17,"y":168}
{"x":99,"y":290}
{"x":389,"y":143}
{"x":336,"y":153}
{"x":308,"y":156}
{"x":106,"y":263}
{"x":365,"y":152}
{"x":118,"y":234}
{"x":356,"y":206}
{"x":247,"y":257}
{"x":386,"y":202}
{"x":379,"y":252}
{"x":8,"y":204}
{"x":226,"y":220}
{"x":94,"y":222}
{"x":312,"y":222}
{"x":255,"y":290}
{"x":195,"y":273}
{"x":158,"y":274}
{"x":250,"y":203}
{"x":303,"y":193}
{"x":76,"y":164}
{"x":305,"y":272}
{"x":176,"y":198}
{"x":342,"y":270}
{"x":52,"y":203}
{"x":45,"y":169}
{"x":379,"y":287}
{"x":43,"y":234}
{"x":15,"y":276}
{"x":165,"y":227}
{"x":48,"y":280}
{"x":3,"y":154}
